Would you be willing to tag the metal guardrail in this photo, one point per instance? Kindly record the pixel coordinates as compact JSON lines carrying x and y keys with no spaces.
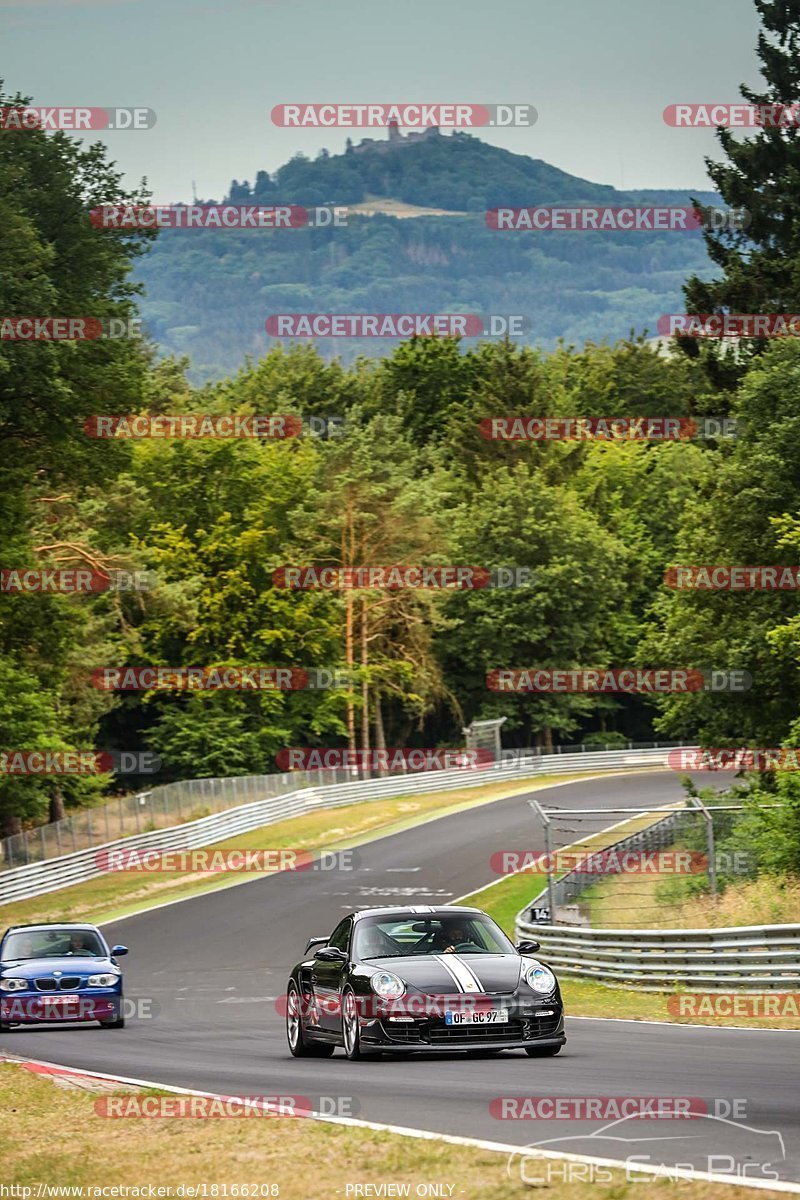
{"x":762,"y":957}
{"x":751,"y":957}
{"x":167,"y":804}
{"x":48,"y":875}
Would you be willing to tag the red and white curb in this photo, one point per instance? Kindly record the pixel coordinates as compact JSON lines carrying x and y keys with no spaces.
{"x":70,"y":1076}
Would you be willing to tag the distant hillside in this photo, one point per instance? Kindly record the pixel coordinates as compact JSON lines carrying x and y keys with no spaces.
{"x":208,"y":293}
{"x":456,"y":172}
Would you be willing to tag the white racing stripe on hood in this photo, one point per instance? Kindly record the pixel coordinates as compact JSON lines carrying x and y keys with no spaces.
{"x":460,"y":972}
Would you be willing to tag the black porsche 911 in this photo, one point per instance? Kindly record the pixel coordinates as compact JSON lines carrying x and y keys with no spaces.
{"x":418,"y":979}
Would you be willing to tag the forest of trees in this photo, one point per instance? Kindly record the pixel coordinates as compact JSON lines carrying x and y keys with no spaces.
{"x":207,"y":297}
{"x":403,"y":477}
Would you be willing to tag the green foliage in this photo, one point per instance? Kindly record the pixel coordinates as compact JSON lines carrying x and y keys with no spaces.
{"x":606,"y":741}
{"x":760,"y":263}
{"x":209,"y":296}
{"x":743,"y":515}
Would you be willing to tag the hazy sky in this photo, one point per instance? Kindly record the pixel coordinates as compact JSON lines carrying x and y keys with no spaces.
{"x":600,"y":73}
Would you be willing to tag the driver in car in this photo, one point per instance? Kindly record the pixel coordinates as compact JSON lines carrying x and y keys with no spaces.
{"x":78,"y":944}
{"x":451,"y":937}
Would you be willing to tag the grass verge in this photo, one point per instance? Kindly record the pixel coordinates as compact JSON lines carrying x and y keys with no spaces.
{"x":586,"y":997}
{"x":659,"y":901}
{"x":57,"y":1139}
{"x":118,"y":894}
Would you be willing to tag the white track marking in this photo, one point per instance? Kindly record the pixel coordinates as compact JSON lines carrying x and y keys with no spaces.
{"x":450,"y":1138}
{"x":382,"y":836}
{"x":683,"y":1024}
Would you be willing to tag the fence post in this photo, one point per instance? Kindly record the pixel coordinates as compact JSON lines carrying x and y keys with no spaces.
{"x":712,"y":858}
{"x":537,"y":808}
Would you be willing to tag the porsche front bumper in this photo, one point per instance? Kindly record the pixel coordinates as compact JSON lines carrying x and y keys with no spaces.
{"x":420,"y":1034}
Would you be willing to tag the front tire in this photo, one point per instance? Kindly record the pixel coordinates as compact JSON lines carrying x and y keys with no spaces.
{"x":118,"y":1024}
{"x":299,"y":1046}
{"x":351,"y":1030}
{"x":542,"y":1051}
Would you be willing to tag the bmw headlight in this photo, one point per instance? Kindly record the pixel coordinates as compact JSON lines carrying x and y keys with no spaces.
{"x":13,"y":985}
{"x":102,"y":980}
{"x":540,"y":978}
{"x":385,"y":984}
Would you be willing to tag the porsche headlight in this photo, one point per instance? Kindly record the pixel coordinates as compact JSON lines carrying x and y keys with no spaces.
{"x":102,"y":980}
{"x":385,"y":984}
{"x":13,"y":985}
{"x":540,"y":978}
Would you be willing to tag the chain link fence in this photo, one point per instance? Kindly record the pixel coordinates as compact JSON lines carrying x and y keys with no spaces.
{"x":172,"y":804}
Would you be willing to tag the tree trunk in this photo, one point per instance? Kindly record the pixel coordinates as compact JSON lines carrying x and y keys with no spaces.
{"x":10,"y":824}
{"x":547,"y":733}
{"x":57,"y":808}
{"x":349,"y":663}
{"x":380,"y":734}
{"x":346,"y":555}
{"x":365,"y":686}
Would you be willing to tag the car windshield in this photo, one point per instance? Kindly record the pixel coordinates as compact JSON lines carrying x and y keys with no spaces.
{"x":399,"y":937}
{"x":52,"y":943}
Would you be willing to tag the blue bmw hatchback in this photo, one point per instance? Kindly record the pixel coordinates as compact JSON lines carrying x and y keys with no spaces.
{"x":55,"y":973}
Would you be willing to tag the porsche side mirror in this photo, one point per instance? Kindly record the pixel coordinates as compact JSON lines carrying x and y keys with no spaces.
{"x":527,"y":947}
{"x":118,"y":951}
{"x":330,"y":954}
{"x":316,"y":941}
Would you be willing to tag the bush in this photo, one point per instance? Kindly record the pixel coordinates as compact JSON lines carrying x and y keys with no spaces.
{"x":611,"y":741}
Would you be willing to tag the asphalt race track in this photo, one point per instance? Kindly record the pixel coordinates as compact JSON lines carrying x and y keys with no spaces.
{"x":217,"y":964}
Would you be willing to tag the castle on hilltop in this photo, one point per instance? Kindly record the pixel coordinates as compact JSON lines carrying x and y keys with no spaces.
{"x":396,"y":139}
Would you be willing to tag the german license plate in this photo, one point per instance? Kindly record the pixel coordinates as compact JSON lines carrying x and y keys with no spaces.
{"x":491,"y":1016}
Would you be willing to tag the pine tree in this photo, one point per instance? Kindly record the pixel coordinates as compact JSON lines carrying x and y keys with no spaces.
{"x":761,"y":262}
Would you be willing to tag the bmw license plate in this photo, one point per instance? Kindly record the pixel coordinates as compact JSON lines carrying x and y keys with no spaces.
{"x":491,"y":1016}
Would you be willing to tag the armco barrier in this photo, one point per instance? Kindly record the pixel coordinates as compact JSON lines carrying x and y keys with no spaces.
{"x":162,"y":805}
{"x":752,"y":957}
{"x":21,"y":883}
